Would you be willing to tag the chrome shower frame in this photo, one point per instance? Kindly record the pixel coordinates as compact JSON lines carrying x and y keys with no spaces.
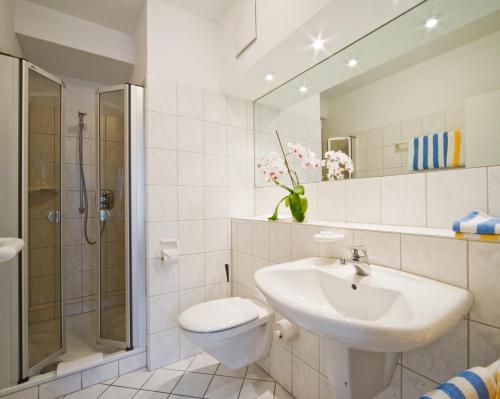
{"x":25,"y":370}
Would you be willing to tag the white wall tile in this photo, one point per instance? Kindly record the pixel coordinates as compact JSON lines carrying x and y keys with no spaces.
{"x":280,"y":242}
{"x":237,"y":172}
{"x":237,"y":142}
{"x":191,"y":297}
{"x":484,"y":344}
{"x":161,"y":278}
{"x":373,"y":138}
{"x":190,"y":102}
{"x":163,"y":348}
{"x":455,"y":119}
{"x":237,"y":112}
{"x":161,"y":95}
{"x":453,"y":194}
{"x":415,"y":385}
{"x":190,"y":169}
{"x":442,"y":359}
{"x":393,"y":391}
{"x":303,"y":243}
{"x":383,"y":248}
{"x":281,"y":366}
{"x":162,"y":203}
{"x":240,"y":202}
{"x":162,"y":131}
{"x":215,"y":202}
{"x":437,"y":258}
{"x":161,"y":167}
{"x":494,"y":191}
{"x":244,"y":238}
{"x":403,"y":200}
{"x":332,"y":201}
{"x":363,"y":200}
{"x":132,"y":363}
{"x":484,"y":281}
{"x":411,"y":128}
{"x":260,"y":239}
{"x":191,"y":271}
{"x":190,"y":135}
{"x":306,"y":347}
{"x":215,"y":271}
{"x":214,"y":138}
{"x":391,"y":134}
{"x":217,"y":234}
{"x":31,"y":393}
{"x":215,"y":171}
{"x":99,"y":374}
{"x":434,"y":123}
{"x":305,"y":380}
{"x":192,"y":236}
{"x":157,"y":231}
{"x":191,"y":202}
{"x":60,"y":387}
{"x":214,"y":107}
{"x":163,"y":312}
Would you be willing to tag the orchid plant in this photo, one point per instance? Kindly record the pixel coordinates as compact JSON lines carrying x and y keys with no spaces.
{"x":276,"y":166}
{"x":336,"y":163}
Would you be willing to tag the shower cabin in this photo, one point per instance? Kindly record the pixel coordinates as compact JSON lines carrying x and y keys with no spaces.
{"x":70,"y":194}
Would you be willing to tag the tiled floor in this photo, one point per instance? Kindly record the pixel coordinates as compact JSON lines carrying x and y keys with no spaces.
{"x":201,"y":376}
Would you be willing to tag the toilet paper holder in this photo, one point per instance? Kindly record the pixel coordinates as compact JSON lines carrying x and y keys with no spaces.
{"x":168,"y":250}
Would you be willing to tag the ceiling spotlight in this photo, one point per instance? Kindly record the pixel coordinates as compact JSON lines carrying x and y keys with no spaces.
{"x":318,"y":44}
{"x":303,"y":89}
{"x":352,"y":62}
{"x":269,"y":77}
{"x":431,"y":22}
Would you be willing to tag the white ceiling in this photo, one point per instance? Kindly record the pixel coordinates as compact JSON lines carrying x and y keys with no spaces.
{"x":121,"y":15}
{"x":211,"y":10}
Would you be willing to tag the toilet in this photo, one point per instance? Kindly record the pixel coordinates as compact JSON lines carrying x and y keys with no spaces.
{"x":235,"y":331}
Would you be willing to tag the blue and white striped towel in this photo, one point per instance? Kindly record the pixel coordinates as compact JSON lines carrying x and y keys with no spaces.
{"x":477,"y":222}
{"x":436,"y":151}
{"x":476,"y":383}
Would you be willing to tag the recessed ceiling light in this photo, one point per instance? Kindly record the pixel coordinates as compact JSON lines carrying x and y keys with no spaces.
{"x":352,"y":62}
{"x":318,"y":43}
{"x":303,"y":89}
{"x":269,"y":77}
{"x":431,"y":22}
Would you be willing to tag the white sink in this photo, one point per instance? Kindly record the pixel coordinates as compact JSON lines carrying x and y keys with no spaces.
{"x":9,"y":248}
{"x":389,"y":311}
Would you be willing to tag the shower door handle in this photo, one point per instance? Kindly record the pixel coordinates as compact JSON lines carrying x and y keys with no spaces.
{"x":54,"y":216}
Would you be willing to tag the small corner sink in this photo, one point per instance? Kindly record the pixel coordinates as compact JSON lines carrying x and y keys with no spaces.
{"x":9,"y":248}
{"x":386,"y":312}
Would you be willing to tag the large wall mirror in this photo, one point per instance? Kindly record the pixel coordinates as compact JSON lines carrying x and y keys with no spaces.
{"x":420,"y":93}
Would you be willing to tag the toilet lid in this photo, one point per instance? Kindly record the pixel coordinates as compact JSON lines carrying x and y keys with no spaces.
{"x":218,"y":315}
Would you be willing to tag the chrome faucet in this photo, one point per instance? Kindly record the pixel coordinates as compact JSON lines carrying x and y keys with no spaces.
{"x":359,"y":259}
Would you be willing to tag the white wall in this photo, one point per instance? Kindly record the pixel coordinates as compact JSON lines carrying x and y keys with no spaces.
{"x":8,"y":40}
{"x":141,"y":54}
{"x":182,"y":46}
{"x":435,"y":85}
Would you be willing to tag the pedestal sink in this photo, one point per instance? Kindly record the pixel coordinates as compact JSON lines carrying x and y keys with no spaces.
{"x":9,"y":248}
{"x":367,"y":320}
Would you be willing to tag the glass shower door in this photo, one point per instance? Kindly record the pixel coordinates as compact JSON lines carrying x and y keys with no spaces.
{"x":113,"y":188}
{"x":42,"y":310}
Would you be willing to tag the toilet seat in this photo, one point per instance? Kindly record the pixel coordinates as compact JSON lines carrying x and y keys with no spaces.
{"x":218,"y":315}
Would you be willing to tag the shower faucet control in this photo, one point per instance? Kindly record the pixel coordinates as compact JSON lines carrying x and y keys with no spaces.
{"x":106,"y":200}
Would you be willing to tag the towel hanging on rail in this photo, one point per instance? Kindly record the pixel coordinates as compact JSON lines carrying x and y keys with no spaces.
{"x":436,"y":151}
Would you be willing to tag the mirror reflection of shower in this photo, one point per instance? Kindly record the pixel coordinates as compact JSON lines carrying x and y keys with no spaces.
{"x":106,"y":196}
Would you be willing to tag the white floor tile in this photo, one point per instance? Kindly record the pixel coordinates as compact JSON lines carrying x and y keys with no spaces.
{"x":281,"y":393}
{"x":254,"y":389}
{"x":118,"y":393}
{"x":204,"y":363}
{"x":255,"y":372}
{"x":193,"y":384}
{"x":163,"y":380}
{"x":92,"y":392}
{"x":135,"y":379}
{"x":227,"y":372}
{"x":224,"y":388}
{"x":150,"y":395}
